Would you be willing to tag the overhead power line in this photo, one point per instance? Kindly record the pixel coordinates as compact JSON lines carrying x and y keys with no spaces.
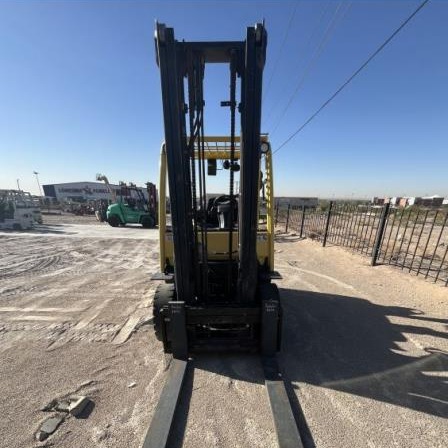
{"x":291,"y":18}
{"x":309,"y":40}
{"x":337,"y":16}
{"x":342,"y":87}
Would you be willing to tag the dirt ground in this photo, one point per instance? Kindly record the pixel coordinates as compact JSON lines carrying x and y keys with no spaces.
{"x":365,"y":351}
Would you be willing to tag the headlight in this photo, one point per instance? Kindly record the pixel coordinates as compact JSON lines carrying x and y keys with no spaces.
{"x":264,"y":148}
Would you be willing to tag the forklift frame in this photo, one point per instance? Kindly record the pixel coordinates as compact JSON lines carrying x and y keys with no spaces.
{"x":256,"y":303}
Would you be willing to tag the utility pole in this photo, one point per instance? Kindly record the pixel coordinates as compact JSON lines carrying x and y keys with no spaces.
{"x":38,"y":183}
{"x":18,"y":184}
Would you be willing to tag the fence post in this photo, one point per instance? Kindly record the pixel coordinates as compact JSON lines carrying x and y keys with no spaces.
{"x":276,"y":214}
{"x":379,"y":234}
{"x":287,"y":218}
{"x":327,"y":224}
{"x":303,"y":221}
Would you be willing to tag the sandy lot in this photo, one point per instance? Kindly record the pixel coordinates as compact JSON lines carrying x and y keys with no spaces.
{"x":364,"y":355}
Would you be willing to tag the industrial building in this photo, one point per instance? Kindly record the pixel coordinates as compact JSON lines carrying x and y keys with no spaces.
{"x":407,"y":201}
{"x":83,"y":191}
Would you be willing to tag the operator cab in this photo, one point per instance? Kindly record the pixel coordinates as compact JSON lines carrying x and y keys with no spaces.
{"x":219,"y":212}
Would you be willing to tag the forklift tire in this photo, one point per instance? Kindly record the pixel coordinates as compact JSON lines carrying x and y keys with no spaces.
{"x":114,"y":221}
{"x":148,"y":222}
{"x":165,"y":293}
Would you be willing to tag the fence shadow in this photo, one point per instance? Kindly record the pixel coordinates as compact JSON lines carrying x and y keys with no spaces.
{"x":349,"y":344}
{"x":346,"y":344}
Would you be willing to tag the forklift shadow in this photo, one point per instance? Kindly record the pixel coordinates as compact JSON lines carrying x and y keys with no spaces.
{"x":341,"y":343}
{"x":349,"y":344}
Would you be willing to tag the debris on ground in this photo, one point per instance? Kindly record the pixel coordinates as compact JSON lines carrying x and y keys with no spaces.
{"x":74,"y":405}
{"x":77,"y":404}
{"x":101,"y":435}
{"x":62,"y":406}
{"x":48,"y":427}
{"x":49,"y":407}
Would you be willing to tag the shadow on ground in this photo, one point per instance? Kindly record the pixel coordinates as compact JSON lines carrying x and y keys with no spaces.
{"x":288,"y":238}
{"x":349,"y":344}
{"x":42,"y":229}
{"x":346,"y":344}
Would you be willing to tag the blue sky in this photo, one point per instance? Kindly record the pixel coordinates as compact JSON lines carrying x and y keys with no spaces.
{"x":80,"y":91}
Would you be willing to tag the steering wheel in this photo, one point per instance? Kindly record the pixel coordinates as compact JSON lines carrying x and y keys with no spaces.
{"x":225,"y":199}
{"x":222,"y":200}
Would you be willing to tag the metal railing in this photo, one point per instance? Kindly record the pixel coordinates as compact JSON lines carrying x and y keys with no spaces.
{"x":413,"y":239}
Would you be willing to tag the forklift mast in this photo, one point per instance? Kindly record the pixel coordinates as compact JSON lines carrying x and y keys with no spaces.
{"x":183,"y":64}
{"x":221,"y":298}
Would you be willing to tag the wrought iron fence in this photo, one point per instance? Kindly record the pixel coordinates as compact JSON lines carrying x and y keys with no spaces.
{"x":413,"y":239}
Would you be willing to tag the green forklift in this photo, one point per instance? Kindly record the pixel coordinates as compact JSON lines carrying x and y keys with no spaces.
{"x":130,"y":206}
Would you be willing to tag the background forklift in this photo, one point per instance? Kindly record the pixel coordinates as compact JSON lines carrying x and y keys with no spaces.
{"x":130,"y":206}
{"x":216,"y":261}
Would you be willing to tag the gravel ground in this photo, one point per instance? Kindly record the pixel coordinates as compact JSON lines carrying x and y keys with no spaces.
{"x":364,"y":355}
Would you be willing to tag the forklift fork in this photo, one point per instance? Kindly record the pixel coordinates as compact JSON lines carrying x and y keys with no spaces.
{"x":284,"y":422}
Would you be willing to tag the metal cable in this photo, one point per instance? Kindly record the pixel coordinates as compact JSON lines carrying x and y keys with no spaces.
{"x":232,"y":160}
{"x":194,"y":129}
{"x":279,"y":54}
{"x":310,"y":39}
{"x":328,"y":33}
{"x":201,"y":151}
{"x":342,"y":87}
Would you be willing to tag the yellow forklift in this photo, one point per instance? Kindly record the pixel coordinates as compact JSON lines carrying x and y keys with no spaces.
{"x":216,"y":254}
{"x":219,"y":229}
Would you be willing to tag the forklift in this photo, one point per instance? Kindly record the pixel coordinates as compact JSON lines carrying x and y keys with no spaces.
{"x":216,"y":254}
{"x":130,"y":207}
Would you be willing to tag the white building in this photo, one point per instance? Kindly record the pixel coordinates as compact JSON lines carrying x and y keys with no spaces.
{"x":83,"y":191}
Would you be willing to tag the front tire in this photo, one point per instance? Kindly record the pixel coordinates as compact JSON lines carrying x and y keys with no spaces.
{"x":165,"y":293}
{"x":148,"y":222}
{"x":114,"y":221}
